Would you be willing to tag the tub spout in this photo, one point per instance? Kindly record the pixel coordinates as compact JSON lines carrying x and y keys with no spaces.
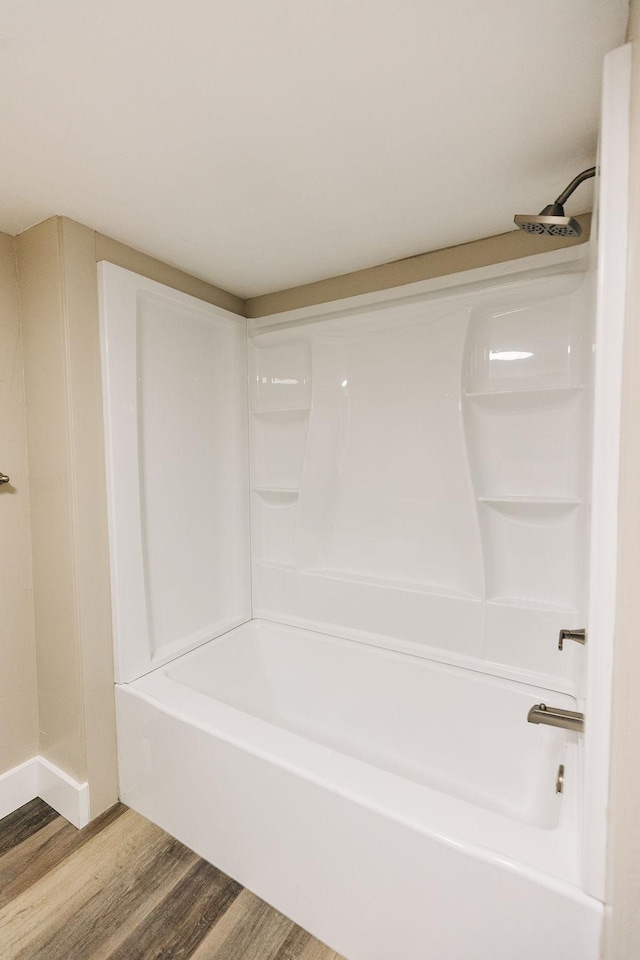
{"x":555,"y":717}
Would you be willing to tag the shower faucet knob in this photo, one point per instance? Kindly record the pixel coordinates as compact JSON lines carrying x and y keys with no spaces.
{"x":4,"y":478}
{"x":580,"y":636}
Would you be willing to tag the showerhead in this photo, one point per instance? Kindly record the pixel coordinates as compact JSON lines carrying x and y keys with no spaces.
{"x":552,"y":219}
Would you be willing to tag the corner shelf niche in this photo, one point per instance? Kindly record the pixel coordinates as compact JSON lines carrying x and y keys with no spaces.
{"x":524,"y":424}
{"x":280,"y":412}
{"x":278,"y":440}
{"x":274,"y":515}
{"x":532,"y":550}
{"x":526,"y":444}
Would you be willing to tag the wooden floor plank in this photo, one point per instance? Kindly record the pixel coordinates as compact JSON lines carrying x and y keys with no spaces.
{"x":16,"y":863}
{"x":249,"y":930}
{"x":120,"y":929}
{"x":317,"y":951}
{"x":51,"y":902}
{"x":24,"y":822}
{"x":31,"y":860}
{"x":180,"y":922}
{"x":294,"y":944}
{"x":111,"y":915}
{"x":252,"y":930}
{"x":300,"y":945}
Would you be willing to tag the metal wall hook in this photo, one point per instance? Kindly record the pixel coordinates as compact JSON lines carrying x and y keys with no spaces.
{"x":4,"y":478}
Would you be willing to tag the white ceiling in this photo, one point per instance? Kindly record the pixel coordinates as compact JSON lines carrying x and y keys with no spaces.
{"x":260,"y":144}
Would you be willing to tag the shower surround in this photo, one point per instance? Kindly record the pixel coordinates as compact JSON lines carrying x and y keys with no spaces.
{"x":325,"y":658}
{"x":418,"y":475}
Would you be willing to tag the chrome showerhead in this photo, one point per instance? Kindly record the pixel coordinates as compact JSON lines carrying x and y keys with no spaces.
{"x":552,"y":219}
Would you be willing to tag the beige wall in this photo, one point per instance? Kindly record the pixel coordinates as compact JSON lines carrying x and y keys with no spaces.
{"x":622,"y":940}
{"x":88,"y":483}
{"x":42,"y":305}
{"x":18,"y":703}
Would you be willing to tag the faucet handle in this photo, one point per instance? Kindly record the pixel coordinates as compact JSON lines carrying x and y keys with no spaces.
{"x":580,"y":636}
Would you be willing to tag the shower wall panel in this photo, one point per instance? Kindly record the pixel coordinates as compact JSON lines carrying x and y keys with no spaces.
{"x":417,"y":474}
{"x":177,"y":458}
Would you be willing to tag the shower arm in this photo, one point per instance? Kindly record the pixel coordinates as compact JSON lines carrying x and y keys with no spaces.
{"x":566,"y":193}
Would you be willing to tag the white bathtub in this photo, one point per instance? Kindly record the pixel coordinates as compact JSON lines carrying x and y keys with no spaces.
{"x":397,"y":808}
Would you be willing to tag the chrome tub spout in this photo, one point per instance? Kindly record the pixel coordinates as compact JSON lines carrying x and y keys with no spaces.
{"x":555,"y":717}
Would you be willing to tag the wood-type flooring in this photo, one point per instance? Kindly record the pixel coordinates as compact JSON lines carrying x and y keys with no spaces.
{"x":123,"y":889}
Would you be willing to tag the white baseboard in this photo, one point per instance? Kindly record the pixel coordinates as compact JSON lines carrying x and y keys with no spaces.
{"x":18,"y":786}
{"x":60,"y":791}
{"x":40,"y":778}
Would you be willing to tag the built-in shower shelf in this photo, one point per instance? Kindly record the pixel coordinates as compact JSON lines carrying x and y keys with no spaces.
{"x":282,"y":413}
{"x":539,"y":501}
{"x":273,"y":564}
{"x":277,"y":496}
{"x":529,"y":397}
{"x":531,"y":510}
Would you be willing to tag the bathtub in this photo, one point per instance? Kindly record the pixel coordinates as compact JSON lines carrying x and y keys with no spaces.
{"x":396,"y":808}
